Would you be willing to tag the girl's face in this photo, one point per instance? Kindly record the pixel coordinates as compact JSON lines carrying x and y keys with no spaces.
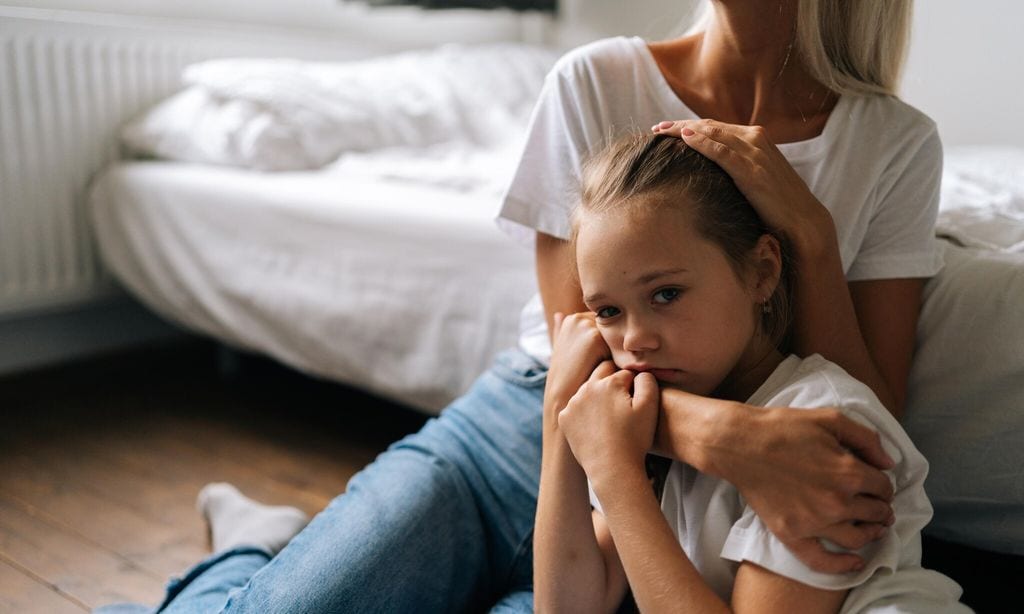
{"x":668,"y":301}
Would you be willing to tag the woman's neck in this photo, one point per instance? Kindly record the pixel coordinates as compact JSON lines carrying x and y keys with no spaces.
{"x":744,"y":69}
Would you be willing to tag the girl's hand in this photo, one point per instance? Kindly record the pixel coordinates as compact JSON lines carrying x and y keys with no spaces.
{"x":607,"y":424}
{"x":577,"y":349}
{"x":778,"y":194}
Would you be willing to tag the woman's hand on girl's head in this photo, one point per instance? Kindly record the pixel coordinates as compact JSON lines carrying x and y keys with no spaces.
{"x":610,"y":421}
{"x":778,"y":194}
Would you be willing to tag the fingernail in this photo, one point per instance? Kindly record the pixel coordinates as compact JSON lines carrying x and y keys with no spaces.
{"x":859,"y":566}
{"x":665,"y":124}
{"x":688,"y":132}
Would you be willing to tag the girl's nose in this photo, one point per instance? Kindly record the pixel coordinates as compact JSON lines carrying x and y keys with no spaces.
{"x":639,"y":337}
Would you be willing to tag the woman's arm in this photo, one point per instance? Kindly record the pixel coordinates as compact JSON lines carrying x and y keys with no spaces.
{"x":559,"y":286}
{"x":795,"y":468}
{"x":867,"y":327}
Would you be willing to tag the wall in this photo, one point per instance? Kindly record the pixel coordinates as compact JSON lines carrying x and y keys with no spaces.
{"x":585,"y":20}
{"x":964,"y":69}
{"x":395,"y":27}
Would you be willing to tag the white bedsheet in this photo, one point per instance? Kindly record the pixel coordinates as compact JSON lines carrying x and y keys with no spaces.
{"x":401,"y":286}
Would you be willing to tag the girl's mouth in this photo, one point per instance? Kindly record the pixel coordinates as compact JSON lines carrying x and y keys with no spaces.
{"x":668,"y":376}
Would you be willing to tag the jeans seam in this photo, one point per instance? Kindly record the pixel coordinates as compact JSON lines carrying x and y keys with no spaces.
{"x":524,"y":544}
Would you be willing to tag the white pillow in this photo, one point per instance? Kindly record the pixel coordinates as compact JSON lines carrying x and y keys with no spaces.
{"x":965,"y":406}
{"x":982,"y":202}
{"x":192,"y":126}
{"x":282,"y":114}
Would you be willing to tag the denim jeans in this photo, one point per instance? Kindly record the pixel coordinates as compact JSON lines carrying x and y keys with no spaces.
{"x":440,"y":522}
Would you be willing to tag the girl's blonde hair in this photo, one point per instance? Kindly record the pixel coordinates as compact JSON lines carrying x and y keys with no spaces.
{"x":849,"y":46}
{"x":641,"y":172}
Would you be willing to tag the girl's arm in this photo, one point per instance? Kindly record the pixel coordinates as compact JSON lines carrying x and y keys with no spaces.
{"x":569,"y":565}
{"x":609,"y":425}
{"x":662,"y":577}
{"x":660,"y":574}
{"x":794,"y":467}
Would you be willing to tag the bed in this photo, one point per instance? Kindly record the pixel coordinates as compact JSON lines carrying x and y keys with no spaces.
{"x":384,"y":269}
{"x":405,"y":289}
{"x":369,"y":255}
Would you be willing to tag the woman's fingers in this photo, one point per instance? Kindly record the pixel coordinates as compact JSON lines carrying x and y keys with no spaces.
{"x":870,"y":482}
{"x":861,"y":440}
{"x":870,"y":509}
{"x":706,"y":132}
{"x":854,"y":536}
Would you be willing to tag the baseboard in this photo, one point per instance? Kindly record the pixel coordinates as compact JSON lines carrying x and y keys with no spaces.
{"x":43,"y":339}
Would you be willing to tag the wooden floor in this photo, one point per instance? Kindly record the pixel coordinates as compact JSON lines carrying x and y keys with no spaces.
{"x":100,"y":463}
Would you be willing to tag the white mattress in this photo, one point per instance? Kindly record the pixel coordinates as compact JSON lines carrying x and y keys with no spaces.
{"x":405,"y":288}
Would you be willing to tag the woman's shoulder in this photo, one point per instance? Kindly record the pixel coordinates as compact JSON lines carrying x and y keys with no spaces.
{"x":888,"y":117}
{"x":601,"y":58}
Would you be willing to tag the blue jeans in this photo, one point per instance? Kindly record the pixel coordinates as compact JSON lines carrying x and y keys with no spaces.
{"x":440,"y":522}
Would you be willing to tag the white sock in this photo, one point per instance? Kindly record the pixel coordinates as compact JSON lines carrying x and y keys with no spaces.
{"x":236,"y":520}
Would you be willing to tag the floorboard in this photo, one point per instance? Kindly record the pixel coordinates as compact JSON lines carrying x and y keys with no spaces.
{"x":100,"y":463}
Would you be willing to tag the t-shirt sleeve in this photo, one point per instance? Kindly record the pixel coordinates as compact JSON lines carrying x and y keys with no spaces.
{"x":900,"y":240}
{"x":750,"y":540}
{"x":545,"y":186}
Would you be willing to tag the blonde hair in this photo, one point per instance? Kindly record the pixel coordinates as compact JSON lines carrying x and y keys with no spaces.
{"x":640,"y":172}
{"x":850,"y":46}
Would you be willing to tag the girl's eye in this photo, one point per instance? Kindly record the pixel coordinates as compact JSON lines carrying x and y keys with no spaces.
{"x":607,"y":312}
{"x":666,"y":295}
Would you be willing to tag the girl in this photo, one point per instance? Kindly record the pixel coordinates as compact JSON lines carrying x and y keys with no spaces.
{"x":689,"y":293}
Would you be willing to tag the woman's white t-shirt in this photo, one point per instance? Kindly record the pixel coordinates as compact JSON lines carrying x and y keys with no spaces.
{"x":876,"y":166}
{"x":718,"y":530}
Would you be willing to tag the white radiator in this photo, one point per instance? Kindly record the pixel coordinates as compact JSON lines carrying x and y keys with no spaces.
{"x":62,"y":97}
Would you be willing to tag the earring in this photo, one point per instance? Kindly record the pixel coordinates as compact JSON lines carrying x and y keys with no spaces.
{"x":766,"y":307}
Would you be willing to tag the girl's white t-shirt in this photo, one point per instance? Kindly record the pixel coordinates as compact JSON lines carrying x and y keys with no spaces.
{"x":876,"y":166}
{"x":718,"y":530}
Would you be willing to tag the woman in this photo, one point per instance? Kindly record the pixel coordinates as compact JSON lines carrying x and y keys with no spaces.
{"x":443,"y":520}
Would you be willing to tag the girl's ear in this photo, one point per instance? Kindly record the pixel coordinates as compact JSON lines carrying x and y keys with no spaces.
{"x":766,"y":258}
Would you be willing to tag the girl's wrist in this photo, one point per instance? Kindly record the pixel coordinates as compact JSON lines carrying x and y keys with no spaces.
{"x":611,"y":476}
